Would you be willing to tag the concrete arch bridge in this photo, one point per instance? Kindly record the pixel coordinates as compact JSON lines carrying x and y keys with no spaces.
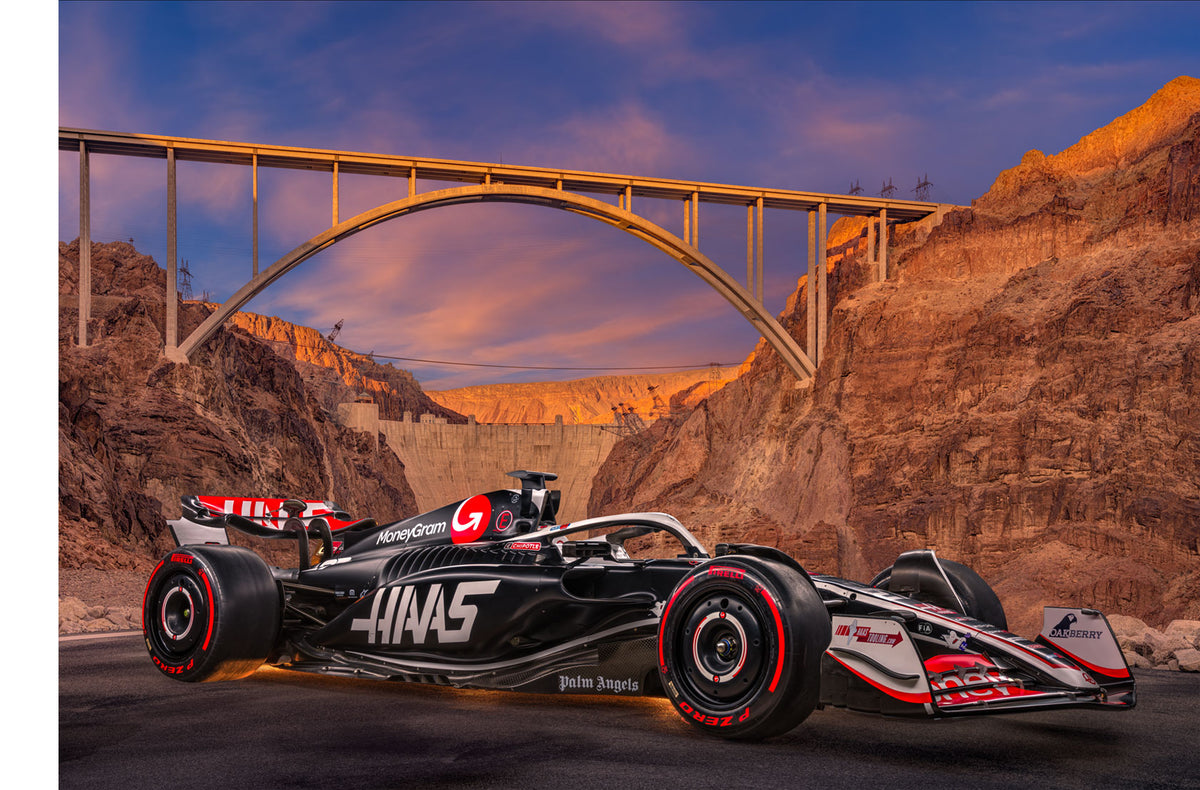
{"x":566,"y":190}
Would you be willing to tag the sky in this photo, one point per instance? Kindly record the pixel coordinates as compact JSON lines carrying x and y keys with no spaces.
{"x":806,"y":96}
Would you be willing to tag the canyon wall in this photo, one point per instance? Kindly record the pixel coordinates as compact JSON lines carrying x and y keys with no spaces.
{"x":330,"y":371}
{"x":587,"y":401}
{"x":1021,"y":394}
{"x":136,"y":431}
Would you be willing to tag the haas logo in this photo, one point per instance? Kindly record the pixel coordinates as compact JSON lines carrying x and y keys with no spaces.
{"x":471,"y":519}
{"x":398,"y":614}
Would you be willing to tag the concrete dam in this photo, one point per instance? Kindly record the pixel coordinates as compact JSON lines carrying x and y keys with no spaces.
{"x":445,"y":462}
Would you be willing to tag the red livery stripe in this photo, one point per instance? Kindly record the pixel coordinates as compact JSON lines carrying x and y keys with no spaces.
{"x":778,"y":630}
{"x":662,"y":661}
{"x":208,"y":590}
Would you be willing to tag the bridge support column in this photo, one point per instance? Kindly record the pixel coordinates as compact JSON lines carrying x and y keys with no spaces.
{"x":254,"y":212}
{"x":883,"y":244}
{"x":811,"y":291}
{"x":758,"y":248}
{"x":750,"y":247}
{"x":870,"y":239}
{"x":85,"y":243}
{"x":696,"y":220}
{"x":822,"y":288}
{"x":171,"y":339}
{"x":335,"y":195}
{"x":412,"y":182}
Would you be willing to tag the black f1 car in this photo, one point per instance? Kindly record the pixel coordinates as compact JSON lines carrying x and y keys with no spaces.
{"x":490,"y":593}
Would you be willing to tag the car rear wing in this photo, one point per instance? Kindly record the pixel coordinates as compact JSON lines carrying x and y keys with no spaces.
{"x":206,"y":519}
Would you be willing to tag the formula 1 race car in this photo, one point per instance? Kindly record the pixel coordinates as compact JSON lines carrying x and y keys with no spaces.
{"x":490,"y":593}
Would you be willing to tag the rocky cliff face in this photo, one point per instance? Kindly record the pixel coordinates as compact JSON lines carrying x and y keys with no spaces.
{"x":331,"y":371}
{"x":136,"y":431}
{"x":588,"y":401}
{"x":1021,"y":394}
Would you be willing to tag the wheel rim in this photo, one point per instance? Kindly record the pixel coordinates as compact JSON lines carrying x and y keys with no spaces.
{"x":178,"y":616}
{"x":722,"y":647}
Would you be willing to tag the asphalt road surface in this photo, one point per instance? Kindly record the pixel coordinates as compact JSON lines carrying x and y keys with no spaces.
{"x":124,"y":726}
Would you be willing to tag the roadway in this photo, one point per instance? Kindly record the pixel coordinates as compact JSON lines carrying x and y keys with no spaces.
{"x":124,"y":726}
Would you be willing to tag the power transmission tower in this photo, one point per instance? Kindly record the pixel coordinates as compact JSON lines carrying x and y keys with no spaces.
{"x":633,"y":422}
{"x":922,"y":190}
{"x":185,"y":281}
{"x":855,"y":188}
{"x":660,"y":409}
{"x":626,"y":421}
{"x":333,"y":333}
{"x":888,"y":189}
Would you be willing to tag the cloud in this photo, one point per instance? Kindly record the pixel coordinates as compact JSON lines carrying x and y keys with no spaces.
{"x":822,"y":126}
{"x":94,"y":59}
{"x":623,"y":138}
{"x":526,"y":286}
{"x":801,"y":96}
{"x":632,"y":25}
{"x":662,"y":43}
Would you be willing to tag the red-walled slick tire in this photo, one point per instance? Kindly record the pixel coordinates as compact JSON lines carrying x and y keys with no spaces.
{"x":210,"y":613}
{"x":740,"y":647}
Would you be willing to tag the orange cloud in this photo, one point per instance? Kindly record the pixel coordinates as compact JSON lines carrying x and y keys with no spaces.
{"x":503,"y":285}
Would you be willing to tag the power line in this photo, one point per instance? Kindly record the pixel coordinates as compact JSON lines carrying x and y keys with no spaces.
{"x":539,"y":367}
{"x":372,"y":355}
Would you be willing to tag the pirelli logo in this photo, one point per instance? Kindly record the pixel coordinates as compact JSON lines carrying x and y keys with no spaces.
{"x":727,"y":572}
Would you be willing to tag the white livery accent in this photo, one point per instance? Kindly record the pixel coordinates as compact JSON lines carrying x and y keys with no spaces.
{"x":1084,"y":635}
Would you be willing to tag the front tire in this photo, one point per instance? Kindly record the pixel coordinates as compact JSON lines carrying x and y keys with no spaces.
{"x":740,"y":647}
{"x":210,"y":613}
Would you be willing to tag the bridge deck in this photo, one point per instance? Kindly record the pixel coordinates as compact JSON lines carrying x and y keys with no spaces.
{"x":194,"y":150}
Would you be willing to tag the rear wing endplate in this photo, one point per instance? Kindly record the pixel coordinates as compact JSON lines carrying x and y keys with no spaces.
{"x":206,"y":519}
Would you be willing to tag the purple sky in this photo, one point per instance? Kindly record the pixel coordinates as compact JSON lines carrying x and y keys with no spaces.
{"x":799,"y":96}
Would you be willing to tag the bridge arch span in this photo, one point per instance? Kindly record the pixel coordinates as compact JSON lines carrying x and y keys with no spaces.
{"x":699,"y":264}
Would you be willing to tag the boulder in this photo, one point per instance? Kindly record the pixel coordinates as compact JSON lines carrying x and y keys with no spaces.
{"x":1135,"y":637}
{"x":1189,"y":660}
{"x":1136,"y":661}
{"x":1168,"y":648}
{"x":1188,"y":630}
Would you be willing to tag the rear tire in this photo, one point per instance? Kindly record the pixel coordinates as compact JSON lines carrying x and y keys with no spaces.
{"x":979,"y":599}
{"x":210,"y":613}
{"x":740,"y":647}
